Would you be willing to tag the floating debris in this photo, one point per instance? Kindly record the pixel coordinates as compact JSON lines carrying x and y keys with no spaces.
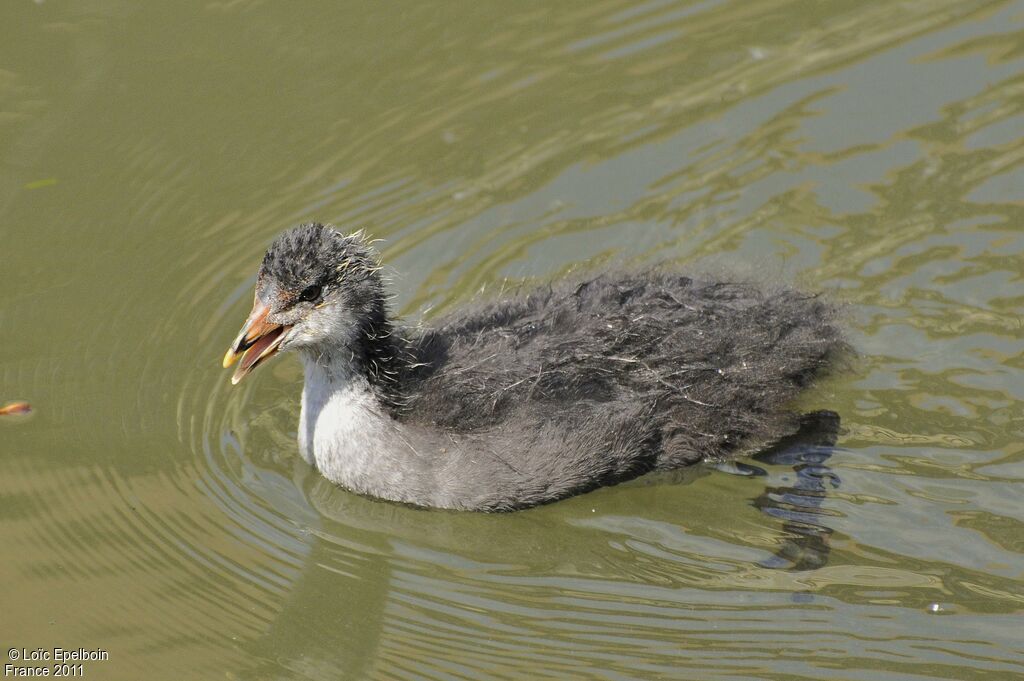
{"x":940,"y":609}
{"x":12,"y":408}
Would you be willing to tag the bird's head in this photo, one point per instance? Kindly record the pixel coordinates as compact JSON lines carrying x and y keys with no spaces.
{"x":317,"y":289}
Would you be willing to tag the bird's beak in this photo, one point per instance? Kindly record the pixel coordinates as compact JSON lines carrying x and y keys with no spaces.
{"x":258,"y":340}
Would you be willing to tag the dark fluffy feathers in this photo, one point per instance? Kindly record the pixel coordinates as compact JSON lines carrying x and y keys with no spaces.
{"x":709,"y":367}
{"x":304,"y":255}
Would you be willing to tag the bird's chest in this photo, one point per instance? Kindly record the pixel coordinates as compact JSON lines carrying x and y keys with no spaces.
{"x":341,"y":432}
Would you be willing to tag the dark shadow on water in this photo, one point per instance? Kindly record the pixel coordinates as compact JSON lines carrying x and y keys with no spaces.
{"x":799,"y":505}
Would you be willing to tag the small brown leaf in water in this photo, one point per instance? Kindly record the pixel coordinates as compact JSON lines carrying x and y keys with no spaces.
{"x":15,"y":408}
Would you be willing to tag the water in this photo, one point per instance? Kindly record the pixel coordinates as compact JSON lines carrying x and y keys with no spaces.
{"x":151,"y":150}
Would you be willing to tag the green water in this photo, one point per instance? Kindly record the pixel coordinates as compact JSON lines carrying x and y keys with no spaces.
{"x":149,"y":151}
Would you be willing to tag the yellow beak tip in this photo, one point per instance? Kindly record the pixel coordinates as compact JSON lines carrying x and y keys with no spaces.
{"x":230,"y":357}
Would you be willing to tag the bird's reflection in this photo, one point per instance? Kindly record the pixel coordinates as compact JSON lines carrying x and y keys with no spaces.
{"x":799,"y":505}
{"x":363,"y":552}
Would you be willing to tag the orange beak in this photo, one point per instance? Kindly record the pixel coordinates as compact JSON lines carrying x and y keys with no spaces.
{"x":258,"y":340}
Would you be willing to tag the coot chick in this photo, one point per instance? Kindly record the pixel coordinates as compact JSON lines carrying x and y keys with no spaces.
{"x":530,"y":398}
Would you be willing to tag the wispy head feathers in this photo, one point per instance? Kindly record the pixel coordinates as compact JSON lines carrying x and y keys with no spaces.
{"x":318,"y":254}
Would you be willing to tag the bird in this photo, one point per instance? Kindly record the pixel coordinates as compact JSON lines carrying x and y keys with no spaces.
{"x":531,"y":397}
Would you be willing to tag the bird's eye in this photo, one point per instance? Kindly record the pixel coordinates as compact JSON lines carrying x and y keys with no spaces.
{"x":311,"y":293}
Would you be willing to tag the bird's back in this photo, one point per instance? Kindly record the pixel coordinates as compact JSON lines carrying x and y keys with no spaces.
{"x":686,"y":369}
